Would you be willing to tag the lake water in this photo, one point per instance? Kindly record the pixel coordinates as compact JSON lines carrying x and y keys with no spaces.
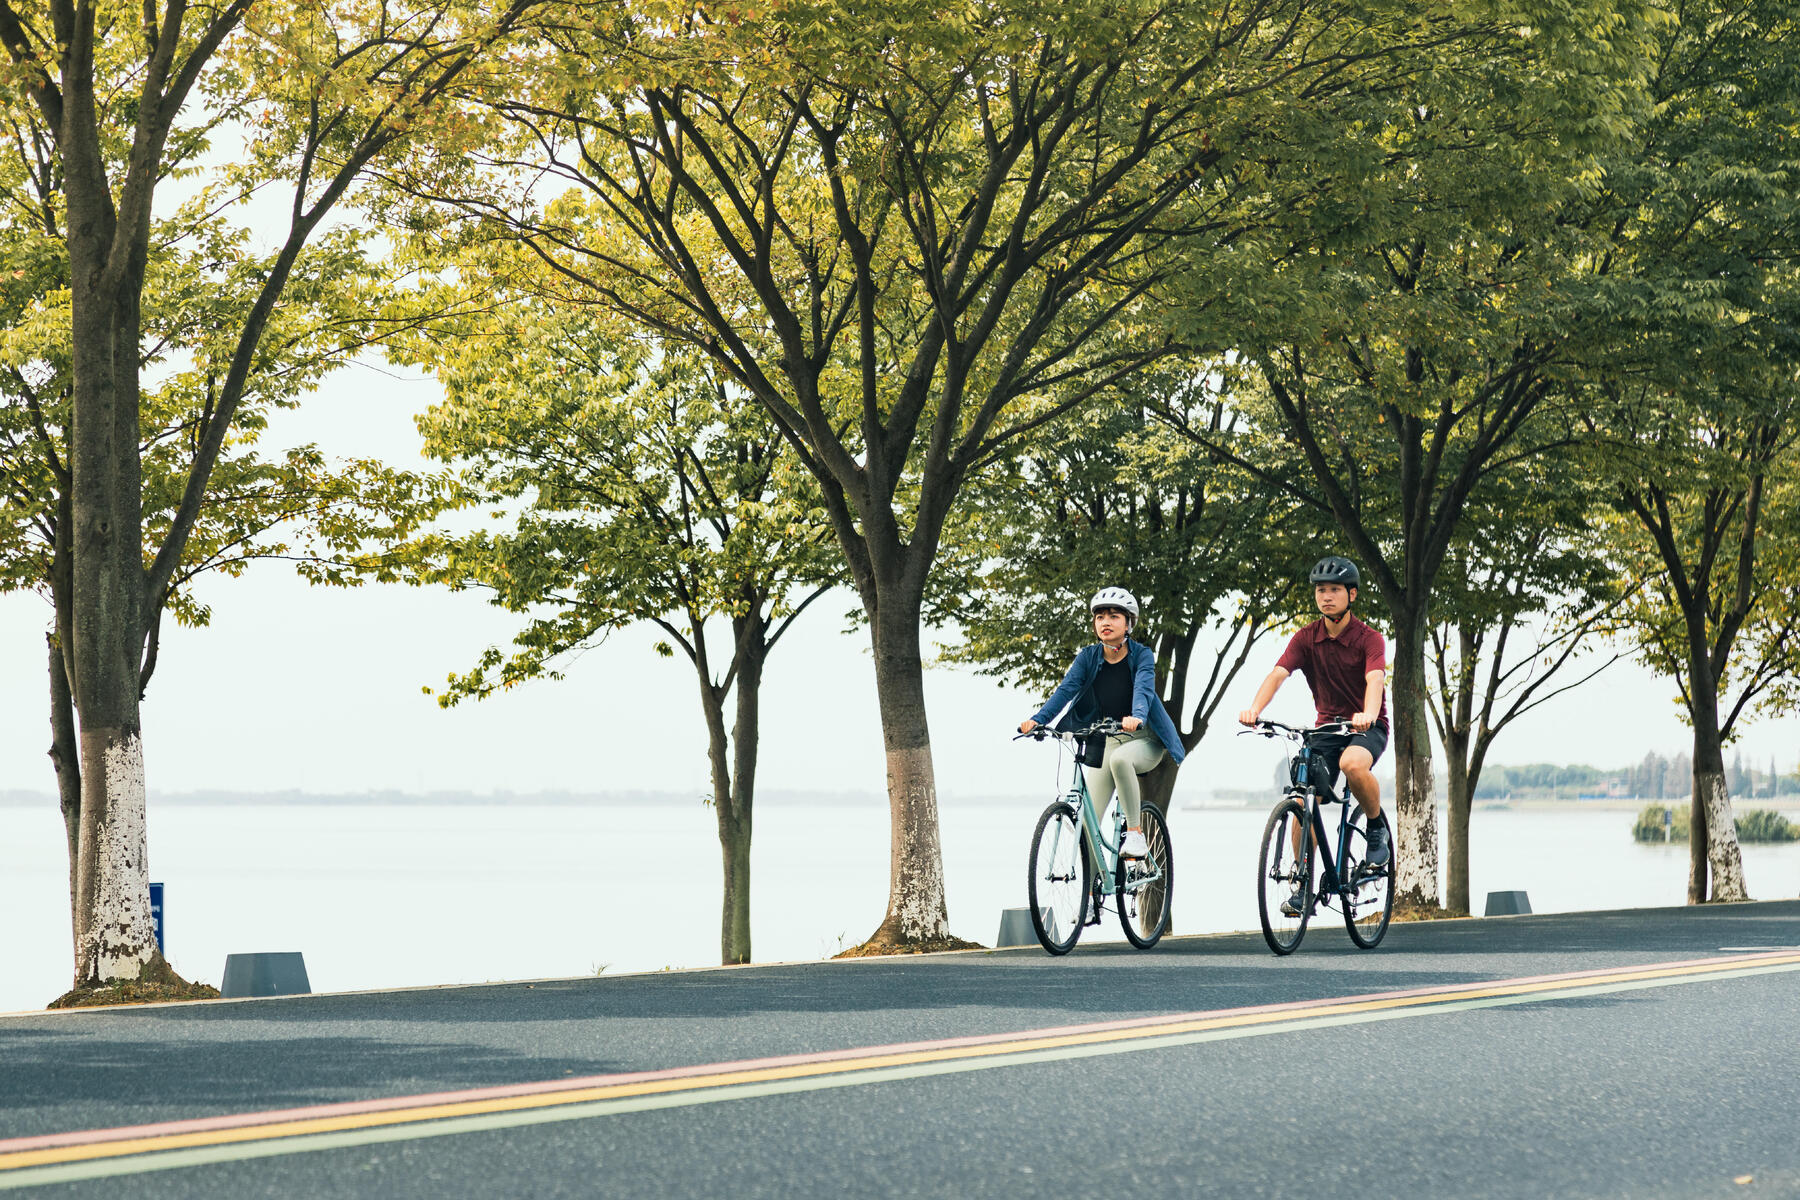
{"x":388,"y":895}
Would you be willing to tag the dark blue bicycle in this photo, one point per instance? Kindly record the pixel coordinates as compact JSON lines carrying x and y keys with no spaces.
{"x":1289,"y":886}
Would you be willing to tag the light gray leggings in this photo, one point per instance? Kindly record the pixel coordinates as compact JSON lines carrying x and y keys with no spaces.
{"x":1128,"y":755}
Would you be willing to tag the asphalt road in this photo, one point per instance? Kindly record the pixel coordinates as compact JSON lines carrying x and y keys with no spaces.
{"x":1635,"y":1079}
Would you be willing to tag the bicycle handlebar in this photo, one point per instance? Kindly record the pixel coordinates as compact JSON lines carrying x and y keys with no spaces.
{"x":1299,"y":733}
{"x":1104,"y":728}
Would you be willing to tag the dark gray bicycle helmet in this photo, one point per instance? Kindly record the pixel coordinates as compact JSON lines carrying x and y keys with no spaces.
{"x":1335,"y":569}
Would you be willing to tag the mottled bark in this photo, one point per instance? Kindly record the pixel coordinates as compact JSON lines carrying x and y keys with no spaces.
{"x":1712,"y":842}
{"x":1722,"y":853}
{"x":916,"y":911}
{"x":1415,"y":807}
{"x":115,"y":938}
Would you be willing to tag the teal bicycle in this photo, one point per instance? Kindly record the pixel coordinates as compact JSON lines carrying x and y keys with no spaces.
{"x":1076,"y":868}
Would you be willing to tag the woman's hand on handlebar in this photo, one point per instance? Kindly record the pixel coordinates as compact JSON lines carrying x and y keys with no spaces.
{"x":1130,"y":724}
{"x":1027,"y":725}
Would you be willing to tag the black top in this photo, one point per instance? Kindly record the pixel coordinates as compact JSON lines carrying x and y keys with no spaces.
{"x":1112,"y":689}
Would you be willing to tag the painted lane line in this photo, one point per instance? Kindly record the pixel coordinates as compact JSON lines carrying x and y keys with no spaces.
{"x":328,"y":1118}
{"x":563,"y":1090}
{"x":68,"y":1172}
{"x":99,"y":1160}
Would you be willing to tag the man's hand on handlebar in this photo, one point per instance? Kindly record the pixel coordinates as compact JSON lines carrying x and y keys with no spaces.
{"x":1361,"y":721}
{"x":1249,"y":716}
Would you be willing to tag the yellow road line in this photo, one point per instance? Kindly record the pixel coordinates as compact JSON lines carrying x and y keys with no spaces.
{"x":873,"y":1062}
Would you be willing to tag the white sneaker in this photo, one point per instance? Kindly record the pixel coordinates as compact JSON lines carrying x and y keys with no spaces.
{"x":1135,"y":846}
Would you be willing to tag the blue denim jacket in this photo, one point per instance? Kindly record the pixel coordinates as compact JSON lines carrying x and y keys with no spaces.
{"x":1076,"y":694}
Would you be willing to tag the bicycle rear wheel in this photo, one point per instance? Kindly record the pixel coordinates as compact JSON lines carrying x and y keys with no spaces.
{"x":1284,"y":874}
{"x":1370,"y":904}
{"x":1058,"y":878}
{"x":1145,"y":884}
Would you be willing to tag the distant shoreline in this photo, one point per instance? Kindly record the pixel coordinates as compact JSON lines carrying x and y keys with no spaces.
{"x":215,"y":799}
{"x":1227,"y":801}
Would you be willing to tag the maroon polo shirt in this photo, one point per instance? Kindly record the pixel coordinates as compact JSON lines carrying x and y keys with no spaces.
{"x":1337,"y":668}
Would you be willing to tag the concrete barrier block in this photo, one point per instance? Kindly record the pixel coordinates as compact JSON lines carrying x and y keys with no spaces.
{"x":280,"y":974}
{"x":1015,"y":929}
{"x":1506,"y":904}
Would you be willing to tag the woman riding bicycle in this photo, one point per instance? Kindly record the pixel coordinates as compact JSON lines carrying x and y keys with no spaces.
{"x":1115,"y":678}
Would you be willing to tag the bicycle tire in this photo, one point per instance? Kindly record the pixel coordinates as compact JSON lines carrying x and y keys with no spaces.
{"x":1279,"y":871}
{"x":1371,"y":896}
{"x":1063,"y":863}
{"x":1144,"y":911}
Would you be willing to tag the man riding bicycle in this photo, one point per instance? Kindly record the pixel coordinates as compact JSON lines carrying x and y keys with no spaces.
{"x":1345,"y":663}
{"x":1115,"y":677}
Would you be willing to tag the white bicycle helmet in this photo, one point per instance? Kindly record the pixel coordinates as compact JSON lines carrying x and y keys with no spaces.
{"x":1113,"y":597}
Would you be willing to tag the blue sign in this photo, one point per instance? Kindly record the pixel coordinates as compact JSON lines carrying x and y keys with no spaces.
{"x":156,"y":914}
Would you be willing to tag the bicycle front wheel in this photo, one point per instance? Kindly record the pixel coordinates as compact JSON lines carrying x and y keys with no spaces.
{"x":1370,"y":903}
{"x":1059,"y":877}
{"x":1284,"y":877}
{"x":1145,"y":884}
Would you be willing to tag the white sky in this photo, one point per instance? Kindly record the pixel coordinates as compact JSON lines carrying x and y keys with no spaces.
{"x":318,"y":689}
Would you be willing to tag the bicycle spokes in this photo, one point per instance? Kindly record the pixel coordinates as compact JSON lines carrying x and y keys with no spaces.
{"x":1370,"y":905}
{"x":1144,"y":884}
{"x":1058,"y":876}
{"x":1284,"y":884}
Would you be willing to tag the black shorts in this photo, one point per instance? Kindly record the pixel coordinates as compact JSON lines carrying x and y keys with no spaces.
{"x":1374,"y":739}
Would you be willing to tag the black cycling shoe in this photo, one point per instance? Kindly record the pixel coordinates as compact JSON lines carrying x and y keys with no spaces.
{"x":1376,"y":855}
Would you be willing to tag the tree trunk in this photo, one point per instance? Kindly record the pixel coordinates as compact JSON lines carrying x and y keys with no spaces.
{"x":1461,"y":788}
{"x":1723,"y":855}
{"x":65,"y":756}
{"x":1157,"y":786}
{"x":1712,"y":841}
{"x":1713,"y":831}
{"x":735,"y":820}
{"x":1697,"y":843}
{"x":114,"y":938}
{"x":734,"y":915}
{"x":733,"y":762}
{"x":1415,"y":805}
{"x":916,"y":913}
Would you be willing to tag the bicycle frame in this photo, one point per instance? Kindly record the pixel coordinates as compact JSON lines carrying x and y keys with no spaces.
{"x":1105,"y":852}
{"x":1313,"y":795}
